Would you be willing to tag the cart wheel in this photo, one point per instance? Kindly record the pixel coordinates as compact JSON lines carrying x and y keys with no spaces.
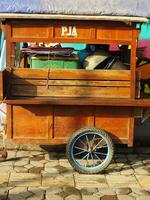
{"x":90,"y":150}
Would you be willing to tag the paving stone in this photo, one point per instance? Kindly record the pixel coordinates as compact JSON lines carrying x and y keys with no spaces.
{"x":23,"y":154}
{"x":65,"y":164}
{"x":109,"y":197}
{"x":24,"y":179}
{"x":122,"y":181}
{"x":29,"y":166}
{"x":61,"y":169}
{"x":37,"y":158}
{"x":107,"y":191}
{"x":125,"y":197}
{"x":4,"y":179}
{"x":71,"y":193}
{"x":54,"y":197}
{"x":6,"y":169}
{"x":140,"y":191}
{"x":143,"y":197}
{"x":59,"y":180}
{"x":20,"y":169}
{"x":127,"y":171}
{"x":75,"y":197}
{"x":82,"y":181}
{"x":36,"y":170}
{"x":22,"y":162}
{"x":37,"y":153}
{"x":6,"y":163}
{"x":19,"y":191}
{"x":144,"y":181}
{"x":51,"y":170}
{"x":54,"y":190}
{"x":137,"y":164}
{"x":52,"y":163}
{"x":88,"y":191}
{"x":142,"y":171}
{"x":146,"y":161}
{"x":11,"y":154}
{"x":90,"y":197}
{"x":37,"y":164}
{"x":123,"y":191}
{"x":37,"y":193}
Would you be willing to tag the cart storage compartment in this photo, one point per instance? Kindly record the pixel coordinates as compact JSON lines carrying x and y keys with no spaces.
{"x":55,"y":124}
{"x":70,"y":83}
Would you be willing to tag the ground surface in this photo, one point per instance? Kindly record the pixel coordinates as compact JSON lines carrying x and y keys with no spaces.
{"x":47,"y":175}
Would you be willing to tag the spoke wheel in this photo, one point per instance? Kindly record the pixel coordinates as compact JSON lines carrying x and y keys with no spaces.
{"x":90,"y":150}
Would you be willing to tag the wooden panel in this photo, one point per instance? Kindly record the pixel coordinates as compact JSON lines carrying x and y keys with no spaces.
{"x":68,"y":119}
{"x":70,"y":91}
{"x":1,"y":86}
{"x":116,"y":121}
{"x":88,"y":83}
{"x":113,"y":33}
{"x":32,"y":122}
{"x":145,"y":71}
{"x":79,"y":101}
{"x":72,"y":74}
{"x":30,"y":31}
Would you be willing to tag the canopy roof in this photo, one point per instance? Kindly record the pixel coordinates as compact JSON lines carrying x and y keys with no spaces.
{"x":99,"y":8}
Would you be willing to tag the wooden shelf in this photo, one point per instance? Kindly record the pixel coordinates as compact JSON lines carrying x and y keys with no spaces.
{"x":80,"y":101}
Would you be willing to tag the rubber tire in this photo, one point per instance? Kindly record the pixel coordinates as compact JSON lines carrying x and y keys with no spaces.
{"x":101,"y":133}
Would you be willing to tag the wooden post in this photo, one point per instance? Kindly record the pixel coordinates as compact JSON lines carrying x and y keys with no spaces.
{"x":135,"y":34}
{"x":8,"y":45}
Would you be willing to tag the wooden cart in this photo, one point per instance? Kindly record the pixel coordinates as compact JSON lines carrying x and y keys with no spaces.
{"x":87,"y":109}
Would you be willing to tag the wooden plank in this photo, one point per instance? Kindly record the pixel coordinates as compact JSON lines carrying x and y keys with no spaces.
{"x":111,"y":33}
{"x":131,"y":130}
{"x":133,"y":61}
{"x":71,"y":91}
{"x":115,"y":121}
{"x":68,"y":119}
{"x":9,"y":127}
{"x":57,"y":141}
{"x":32,"y":122}
{"x":28,"y":31}
{"x":72,"y":17}
{"x":72,"y":74}
{"x":79,"y":101}
{"x":144,"y":70}
{"x":69,"y":82}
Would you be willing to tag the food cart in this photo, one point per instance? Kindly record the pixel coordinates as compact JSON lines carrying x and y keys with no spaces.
{"x":89,"y":110}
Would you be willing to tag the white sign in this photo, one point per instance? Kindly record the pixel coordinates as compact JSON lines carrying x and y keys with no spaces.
{"x":69,"y":31}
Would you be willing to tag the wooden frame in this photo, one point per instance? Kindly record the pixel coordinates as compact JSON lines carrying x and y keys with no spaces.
{"x":31,"y":90}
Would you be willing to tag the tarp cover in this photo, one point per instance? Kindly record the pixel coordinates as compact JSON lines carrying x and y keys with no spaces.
{"x":139,"y":8}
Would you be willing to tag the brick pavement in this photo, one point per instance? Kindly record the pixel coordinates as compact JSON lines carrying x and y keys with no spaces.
{"x":42,"y":175}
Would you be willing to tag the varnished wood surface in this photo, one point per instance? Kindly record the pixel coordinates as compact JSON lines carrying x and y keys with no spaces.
{"x":70,"y":83}
{"x":45,"y":123}
{"x":71,"y":74}
{"x":81,"y":101}
{"x":93,"y":32}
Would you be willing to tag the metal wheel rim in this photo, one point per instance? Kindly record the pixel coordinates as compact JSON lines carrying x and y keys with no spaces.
{"x":89,"y":152}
